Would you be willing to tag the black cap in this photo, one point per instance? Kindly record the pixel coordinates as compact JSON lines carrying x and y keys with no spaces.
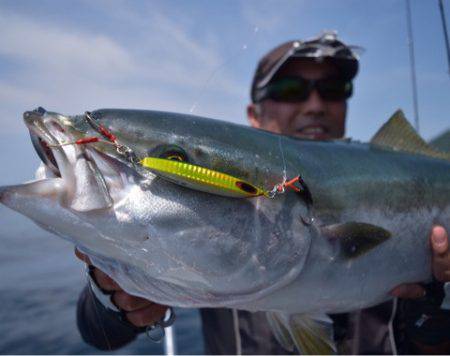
{"x":325,"y":47}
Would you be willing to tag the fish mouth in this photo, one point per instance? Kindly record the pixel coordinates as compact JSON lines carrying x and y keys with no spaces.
{"x":77,"y":167}
{"x":45,"y":153}
{"x":45,"y":142}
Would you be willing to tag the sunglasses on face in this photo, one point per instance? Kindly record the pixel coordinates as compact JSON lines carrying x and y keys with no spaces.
{"x":297,"y":89}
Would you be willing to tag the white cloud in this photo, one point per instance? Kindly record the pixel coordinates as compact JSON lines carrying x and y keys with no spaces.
{"x":273,"y":15}
{"x":69,"y":69}
{"x":43,"y":46}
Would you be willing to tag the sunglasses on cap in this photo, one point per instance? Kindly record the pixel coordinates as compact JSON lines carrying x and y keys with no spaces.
{"x":298,"y":89}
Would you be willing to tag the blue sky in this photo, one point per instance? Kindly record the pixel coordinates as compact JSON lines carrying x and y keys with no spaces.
{"x":199,"y":56}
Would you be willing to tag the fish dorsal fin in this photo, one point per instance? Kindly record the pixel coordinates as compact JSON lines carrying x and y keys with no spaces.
{"x":312,"y":334}
{"x":398,"y":135}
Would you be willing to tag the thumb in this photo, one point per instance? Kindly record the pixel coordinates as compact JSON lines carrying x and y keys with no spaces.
{"x":439,"y":241}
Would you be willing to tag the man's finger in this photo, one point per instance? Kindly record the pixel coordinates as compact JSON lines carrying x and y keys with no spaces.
{"x":129,"y":302}
{"x":147,"y":316}
{"x":439,"y":241}
{"x":82,"y":257}
{"x":408,"y":291}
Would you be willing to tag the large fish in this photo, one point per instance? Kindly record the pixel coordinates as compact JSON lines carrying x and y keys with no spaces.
{"x":356,"y":225}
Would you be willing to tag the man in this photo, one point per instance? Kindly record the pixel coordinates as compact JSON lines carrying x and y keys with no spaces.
{"x":299,"y":89}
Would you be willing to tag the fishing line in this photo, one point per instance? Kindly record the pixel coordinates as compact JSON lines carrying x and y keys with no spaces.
{"x":209,"y":79}
{"x":284,"y":160}
{"x":214,"y":71}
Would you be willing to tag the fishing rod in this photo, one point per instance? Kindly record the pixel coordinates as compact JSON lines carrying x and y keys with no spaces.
{"x":444,"y":26}
{"x":412,"y":62}
{"x":170,"y":345}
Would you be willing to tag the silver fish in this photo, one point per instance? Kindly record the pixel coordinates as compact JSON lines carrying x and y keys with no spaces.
{"x":358,"y":227}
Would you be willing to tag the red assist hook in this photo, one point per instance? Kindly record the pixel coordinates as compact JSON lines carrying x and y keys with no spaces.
{"x":289,"y":184}
{"x":81,"y":141}
{"x":107,"y":134}
{"x":110,"y":137}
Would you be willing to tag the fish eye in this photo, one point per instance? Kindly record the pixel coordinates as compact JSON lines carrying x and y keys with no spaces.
{"x":171,"y":152}
{"x":174,"y":156}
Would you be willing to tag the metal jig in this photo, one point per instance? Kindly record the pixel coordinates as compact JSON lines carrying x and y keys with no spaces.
{"x":149,"y":162}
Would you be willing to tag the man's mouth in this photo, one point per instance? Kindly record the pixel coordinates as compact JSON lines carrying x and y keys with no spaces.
{"x":314,"y":132}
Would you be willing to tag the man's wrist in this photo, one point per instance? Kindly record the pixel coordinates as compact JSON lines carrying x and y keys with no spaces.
{"x":434,"y":293}
{"x":102,"y":296}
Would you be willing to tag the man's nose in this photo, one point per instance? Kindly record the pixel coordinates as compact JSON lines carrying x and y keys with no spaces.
{"x":314,"y":104}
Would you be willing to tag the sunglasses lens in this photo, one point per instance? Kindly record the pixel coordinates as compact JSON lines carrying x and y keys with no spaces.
{"x":297,"y":89}
{"x":289,"y":89}
{"x":335,"y":89}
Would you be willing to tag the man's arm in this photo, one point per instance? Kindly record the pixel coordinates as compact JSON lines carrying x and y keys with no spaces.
{"x":104,"y":328}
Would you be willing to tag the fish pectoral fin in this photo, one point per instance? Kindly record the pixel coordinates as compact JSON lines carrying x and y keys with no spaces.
{"x":311,"y":334}
{"x":398,"y":134}
{"x":355,"y":238}
{"x":280,"y":332}
{"x":90,"y":191}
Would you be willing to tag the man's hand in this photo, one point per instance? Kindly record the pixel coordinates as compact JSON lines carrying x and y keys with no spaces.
{"x":139,"y":312}
{"x":440,"y":265}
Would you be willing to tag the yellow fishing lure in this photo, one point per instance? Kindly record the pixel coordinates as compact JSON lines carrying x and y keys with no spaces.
{"x":203,"y":179}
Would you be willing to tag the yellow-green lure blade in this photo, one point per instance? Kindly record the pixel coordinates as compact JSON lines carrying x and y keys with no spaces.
{"x":201,"y":178}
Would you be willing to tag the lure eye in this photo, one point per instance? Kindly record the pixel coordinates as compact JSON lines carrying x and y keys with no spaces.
{"x":246,"y":187}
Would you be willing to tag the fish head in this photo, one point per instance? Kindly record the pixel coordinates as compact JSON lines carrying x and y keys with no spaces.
{"x":73,"y":181}
{"x":209,"y":248}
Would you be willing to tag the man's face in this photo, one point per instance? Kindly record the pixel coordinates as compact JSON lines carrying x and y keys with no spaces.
{"x":314,"y":118}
